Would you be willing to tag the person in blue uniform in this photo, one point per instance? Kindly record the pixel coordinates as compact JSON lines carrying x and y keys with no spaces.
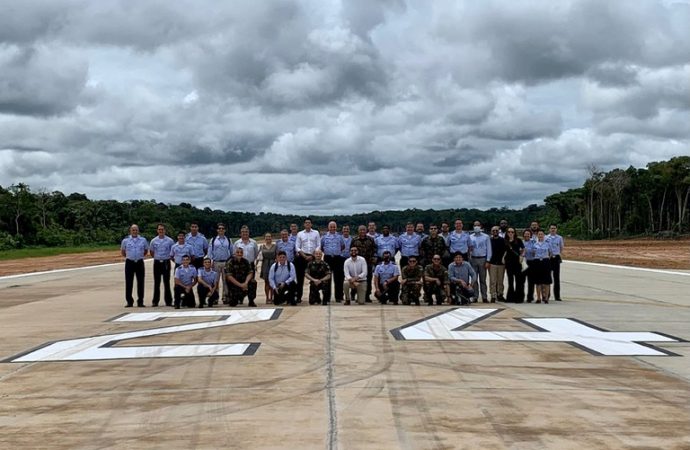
{"x":134,"y":248}
{"x":181,"y":248}
{"x":159,"y":248}
{"x":199,"y":245}
{"x":409,"y":243}
{"x":556,"y":244}
{"x":386,"y":280}
{"x":333,"y":244}
{"x":480,"y":255}
{"x":185,"y":279}
{"x":459,"y":241}
{"x":208,"y":281}
{"x":529,"y":258}
{"x":542,"y":267}
{"x":282,"y":278}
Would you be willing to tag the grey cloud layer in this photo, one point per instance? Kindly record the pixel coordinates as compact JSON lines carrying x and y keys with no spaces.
{"x":317,"y":106}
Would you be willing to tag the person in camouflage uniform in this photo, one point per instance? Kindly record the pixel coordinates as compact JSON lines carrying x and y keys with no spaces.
{"x":434,"y":244}
{"x":435,"y":281}
{"x":366,"y":247}
{"x":240,"y":278}
{"x":319,"y":275}
{"x":411,"y":282}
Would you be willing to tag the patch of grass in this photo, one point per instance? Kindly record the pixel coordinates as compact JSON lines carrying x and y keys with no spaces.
{"x":33,"y":252}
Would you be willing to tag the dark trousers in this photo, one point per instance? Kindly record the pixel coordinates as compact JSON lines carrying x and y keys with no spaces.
{"x":460,"y":295}
{"x":556,"y":273}
{"x":336,"y":264}
{"x":198,"y":262}
{"x":410,"y":293}
{"x":132,"y":269}
{"x":370,"y":279}
{"x":434,"y":290}
{"x":530,"y":280}
{"x":237,"y":294}
{"x":516,"y":283}
{"x":161,"y":271}
{"x":203,"y":293}
{"x":390,"y":294}
{"x":300,"y":268}
{"x":315,"y":296}
{"x":285,"y":294}
{"x":184,"y":298}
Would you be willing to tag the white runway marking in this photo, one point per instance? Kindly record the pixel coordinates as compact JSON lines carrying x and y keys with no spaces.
{"x":641,"y":269}
{"x":72,"y":269}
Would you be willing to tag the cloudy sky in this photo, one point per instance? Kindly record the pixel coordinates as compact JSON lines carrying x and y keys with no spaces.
{"x":338,"y":106}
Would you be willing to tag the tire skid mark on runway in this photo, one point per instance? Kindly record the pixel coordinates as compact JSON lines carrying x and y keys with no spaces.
{"x":618,"y":293}
{"x":330,"y":388}
{"x":397,"y":404}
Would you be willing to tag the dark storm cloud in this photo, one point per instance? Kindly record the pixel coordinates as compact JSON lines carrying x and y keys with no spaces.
{"x":371,"y":105}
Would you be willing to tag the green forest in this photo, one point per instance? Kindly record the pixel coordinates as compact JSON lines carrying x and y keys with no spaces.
{"x":631,"y":202}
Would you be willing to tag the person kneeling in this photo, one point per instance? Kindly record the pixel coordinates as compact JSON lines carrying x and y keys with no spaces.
{"x":319,"y":275}
{"x":281,"y":278}
{"x":240,"y":278}
{"x":461,"y":274}
{"x":207,"y":288}
{"x":435,"y":282}
{"x":185,"y":279}
{"x":386,"y":282}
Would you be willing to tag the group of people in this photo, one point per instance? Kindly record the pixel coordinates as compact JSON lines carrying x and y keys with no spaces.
{"x":458,"y":266}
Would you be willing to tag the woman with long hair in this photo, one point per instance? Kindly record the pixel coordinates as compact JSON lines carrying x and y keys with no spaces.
{"x":515,"y":251}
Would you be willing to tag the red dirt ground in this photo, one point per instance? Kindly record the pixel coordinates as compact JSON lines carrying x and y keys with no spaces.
{"x":661,"y":254}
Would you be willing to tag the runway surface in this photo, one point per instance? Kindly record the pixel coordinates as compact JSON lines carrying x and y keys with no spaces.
{"x":346,"y":377}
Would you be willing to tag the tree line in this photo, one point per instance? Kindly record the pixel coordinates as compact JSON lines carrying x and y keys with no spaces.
{"x":651,"y":200}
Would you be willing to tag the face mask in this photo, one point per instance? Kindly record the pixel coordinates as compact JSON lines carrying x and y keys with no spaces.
{"x":477,"y":230}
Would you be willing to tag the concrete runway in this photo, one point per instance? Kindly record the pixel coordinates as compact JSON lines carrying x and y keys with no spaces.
{"x":337,"y":378}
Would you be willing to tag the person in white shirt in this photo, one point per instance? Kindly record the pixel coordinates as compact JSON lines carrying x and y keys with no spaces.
{"x":306,"y":243}
{"x":355,"y":271}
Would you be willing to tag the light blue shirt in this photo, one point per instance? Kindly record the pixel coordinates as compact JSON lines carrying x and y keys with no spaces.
{"x":287,"y":247}
{"x":387,"y":271}
{"x":384,"y":243}
{"x":541,"y":250}
{"x":220,"y":249}
{"x":186,"y":274}
{"x":464,"y":272}
{"x":529,"y":250}
{"x":556,"y":243}
{"x":332,"y":244}
{"x":177,"y":251}
{"x":199,"y":244}
{"x":409,"y":244}
{"x":346,"y":251}
{"x":281,"y":273}
{"x":160,"y":247}
{"x":459,"y":242}
{"x":135,"y":247}
{"x":209,"y":276}
{"x":481,"y":245}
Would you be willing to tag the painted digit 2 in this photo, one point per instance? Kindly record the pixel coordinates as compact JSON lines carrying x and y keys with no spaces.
{"x":103,"y":347}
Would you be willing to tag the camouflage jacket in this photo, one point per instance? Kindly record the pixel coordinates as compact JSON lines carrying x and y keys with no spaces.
{"x":366,"y":247}
{"x":318,"y":269}
{"x":412,"y":273}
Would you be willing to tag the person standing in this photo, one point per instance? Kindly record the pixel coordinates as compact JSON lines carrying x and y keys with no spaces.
{"x":386,"y":242}
{"x":371,"y":231}
{"x":503,"y":228}
{"x":542,"y":267}
{"x":556,"y":243}
{"x":409,"y":243}
{"x":306,"y":243}
{"x":267,"y":256}
{"x":286,"y":245}
{"x":497,"y":267}
{"x":480,"y":251}
{"x":460,"y":241}
{"x":333,"y":244}
{"x":366,"y":247}
{"x":515,"y":253}
{"x":355,"y":275}
{"x":319,"y":275}
{"x":159,"y":249}
{"x":134,"y":248}
{"x":179,"y":249}
{"x":281,"y":278}
{"x":199,"y":245}
{"x":220,"y":250}
{"x":528,"y":241}
{"x":434,"y":244}
{"x":386,"y":280}
{"x":446,"y":257}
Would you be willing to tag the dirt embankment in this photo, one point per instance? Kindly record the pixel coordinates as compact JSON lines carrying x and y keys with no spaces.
{"x":652,"y":253}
